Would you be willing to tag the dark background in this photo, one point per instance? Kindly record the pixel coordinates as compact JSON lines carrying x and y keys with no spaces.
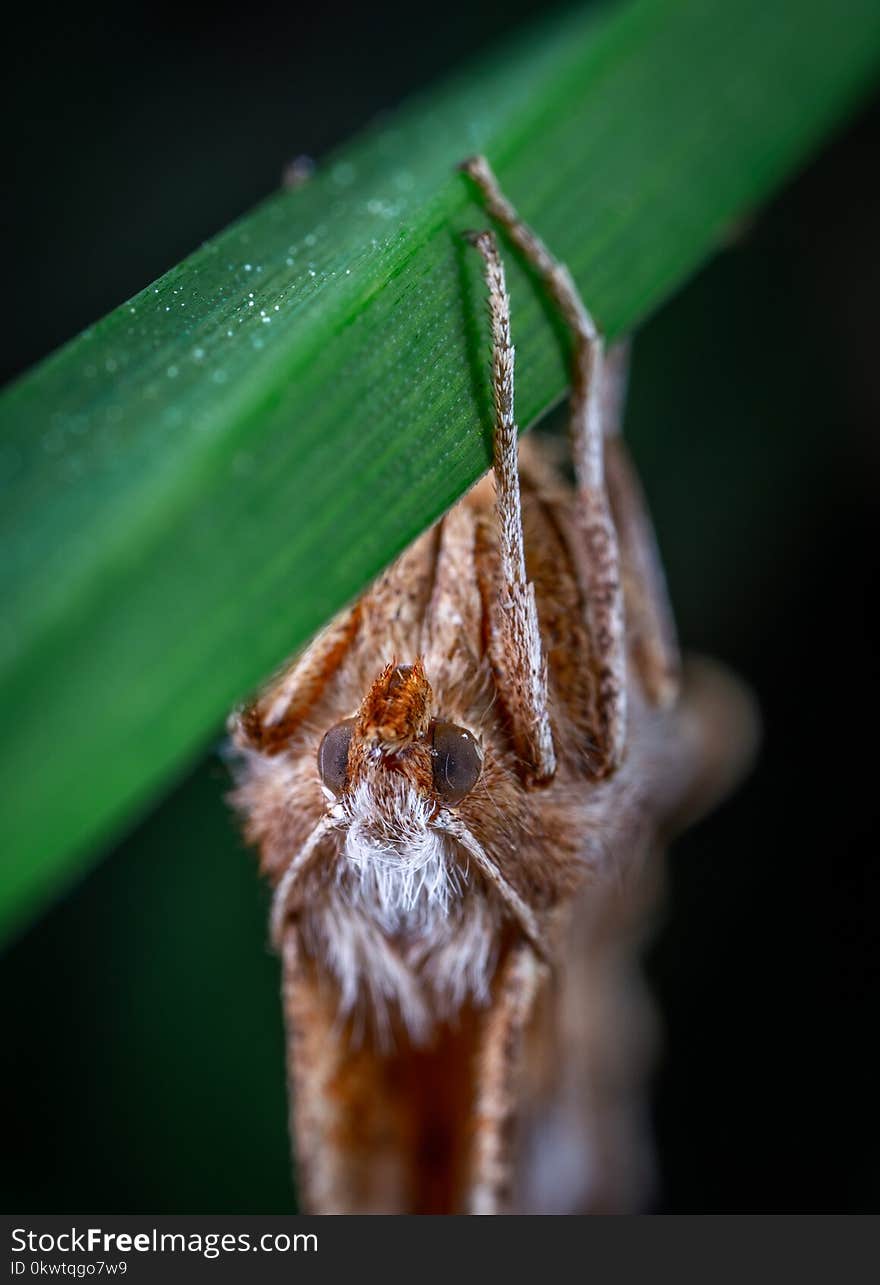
{"x":141,"y":1064}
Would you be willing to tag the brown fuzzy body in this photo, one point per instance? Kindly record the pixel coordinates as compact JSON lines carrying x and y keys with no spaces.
{"x":353,"y":1077}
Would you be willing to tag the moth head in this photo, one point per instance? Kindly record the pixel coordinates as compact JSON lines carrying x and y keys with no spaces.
{"x":395,"y":735}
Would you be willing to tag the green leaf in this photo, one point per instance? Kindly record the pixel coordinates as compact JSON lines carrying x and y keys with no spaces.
{"x":194,"y":485}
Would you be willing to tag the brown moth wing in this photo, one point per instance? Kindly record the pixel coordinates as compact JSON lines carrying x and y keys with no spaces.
{"x":584,"y":1139}
{"x":374,"y":1133}
{"x":585,"y":1142}
{"x":692,"y":732}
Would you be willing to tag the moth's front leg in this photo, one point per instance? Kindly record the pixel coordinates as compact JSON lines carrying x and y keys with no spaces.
{"x":603,"y":591}
{"x":515,"y":642}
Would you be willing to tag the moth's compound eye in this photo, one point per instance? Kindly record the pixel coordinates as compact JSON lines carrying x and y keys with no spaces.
{"x":458,"y":761}
{"x":333,"y":755}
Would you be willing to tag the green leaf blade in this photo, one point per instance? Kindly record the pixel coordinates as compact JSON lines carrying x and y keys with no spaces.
{"x":196,"y":484}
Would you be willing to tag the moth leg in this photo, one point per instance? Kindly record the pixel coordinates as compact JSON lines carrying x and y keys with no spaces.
{"x":269,"y":721}
{"x":498,"y":1074}
{"x":516,"y":647}
{"x":602,"y":590}
{"x":521,"y":913}
{"x":650,"y":625}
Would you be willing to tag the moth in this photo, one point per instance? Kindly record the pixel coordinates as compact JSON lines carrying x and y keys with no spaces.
{"x":459,"y":792}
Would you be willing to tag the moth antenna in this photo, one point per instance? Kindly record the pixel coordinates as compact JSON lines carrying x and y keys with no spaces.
{"x":523,"y":913}
{"x":298,"y":866}
{"x":521,"y":649}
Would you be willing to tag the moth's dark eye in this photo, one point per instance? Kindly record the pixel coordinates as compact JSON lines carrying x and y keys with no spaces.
{"x":333,"y":755}
{"x":458,"y":761}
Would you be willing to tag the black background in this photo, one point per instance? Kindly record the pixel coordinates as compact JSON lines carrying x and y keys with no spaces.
{"x":141,"y":1051}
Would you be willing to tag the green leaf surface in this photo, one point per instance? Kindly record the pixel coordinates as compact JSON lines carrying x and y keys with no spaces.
{"x":195,"y":484}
